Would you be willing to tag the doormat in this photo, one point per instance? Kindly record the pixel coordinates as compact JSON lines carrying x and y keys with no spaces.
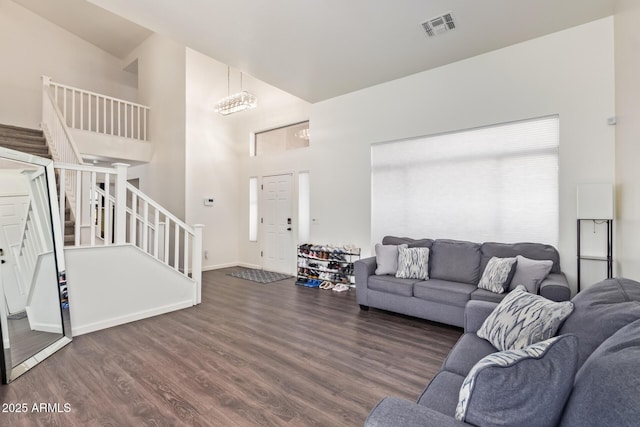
{"x":260,"y":276}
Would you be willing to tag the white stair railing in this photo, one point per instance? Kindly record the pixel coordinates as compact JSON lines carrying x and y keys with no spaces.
{"x":36,"y":228}
{"x":94,"y":112}
{"x":63,"y":148}
{"x":112,"y":211}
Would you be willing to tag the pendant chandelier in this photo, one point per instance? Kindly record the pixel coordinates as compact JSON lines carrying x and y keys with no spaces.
{"x":239,"y":101}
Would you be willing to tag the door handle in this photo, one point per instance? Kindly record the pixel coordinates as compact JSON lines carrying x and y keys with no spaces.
{"x":288,"y":228}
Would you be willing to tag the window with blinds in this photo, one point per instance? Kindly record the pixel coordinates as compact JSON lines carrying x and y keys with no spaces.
{"x":496,"y":183}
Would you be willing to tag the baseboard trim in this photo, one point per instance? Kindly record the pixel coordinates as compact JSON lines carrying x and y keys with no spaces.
{"x":109,"y":323}
{"x":234,"y":264}
{"x":47,"y":327}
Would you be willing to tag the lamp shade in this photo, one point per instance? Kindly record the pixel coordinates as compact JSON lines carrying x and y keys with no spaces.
{"x":595,"y":201}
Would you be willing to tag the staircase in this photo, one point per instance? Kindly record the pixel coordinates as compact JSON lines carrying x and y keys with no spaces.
{"x":118,"y":241}
{"x":28,"y":141}
{"x":32,"y":141}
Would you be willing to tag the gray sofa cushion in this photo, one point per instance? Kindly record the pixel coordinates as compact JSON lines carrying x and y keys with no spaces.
{"x":529,"y":250}
{"x":484,"y":295}
{"x":605,"y":392}
{"x":412,"y":243}
{"x":600,"y":311}
{"x":442,"y":393}
{"x":392,"y":285}
{"x":527,"y":387}
{"x":443,"y":291}
{"x":393,"y":411}
{"x":456,"y":261}
{"x":466,"y":353}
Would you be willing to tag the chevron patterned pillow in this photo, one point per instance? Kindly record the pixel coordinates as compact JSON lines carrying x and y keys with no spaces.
{"x":497,"y":274}
{"x":522,"y":319}
{"x":413,"y":263}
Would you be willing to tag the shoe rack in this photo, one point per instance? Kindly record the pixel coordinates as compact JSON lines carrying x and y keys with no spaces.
{"x":326,"y":266}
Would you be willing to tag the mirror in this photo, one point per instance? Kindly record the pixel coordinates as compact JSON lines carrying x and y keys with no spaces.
{"x":34,"y":312}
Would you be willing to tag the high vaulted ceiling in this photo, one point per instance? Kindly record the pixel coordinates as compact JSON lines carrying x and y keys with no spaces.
{"x":319,"y":49}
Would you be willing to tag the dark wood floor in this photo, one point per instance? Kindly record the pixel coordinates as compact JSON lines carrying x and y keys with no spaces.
{"x":250,"y":354}
{"x":26,"y":342}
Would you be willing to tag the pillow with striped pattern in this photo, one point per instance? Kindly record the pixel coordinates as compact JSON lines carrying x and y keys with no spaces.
{"x":522,"y":319}
{"x":497,"y":274}
{"x":413,"y":263}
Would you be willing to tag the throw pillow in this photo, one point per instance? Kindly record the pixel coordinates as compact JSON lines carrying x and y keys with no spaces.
{"x":413,"y":263}
{"x":387,"y":258}
{"x":530,"y":273}
{"x":522,"y":319}
{"x":527,"y":387}
{"x":497,"y":274}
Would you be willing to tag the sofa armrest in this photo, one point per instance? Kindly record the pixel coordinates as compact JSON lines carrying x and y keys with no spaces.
{"x":556,"y":287}
{"x":363,"y":268}
{"x":475,"y":312}
{"x":392,"y":411}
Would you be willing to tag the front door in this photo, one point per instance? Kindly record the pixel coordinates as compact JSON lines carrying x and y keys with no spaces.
{"x":277,"y":224}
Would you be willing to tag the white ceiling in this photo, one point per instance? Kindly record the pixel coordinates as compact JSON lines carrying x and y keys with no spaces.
{"x":318,"y":49}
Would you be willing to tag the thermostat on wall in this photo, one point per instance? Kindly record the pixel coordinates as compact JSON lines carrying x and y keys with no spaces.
{"x":208,"y":201}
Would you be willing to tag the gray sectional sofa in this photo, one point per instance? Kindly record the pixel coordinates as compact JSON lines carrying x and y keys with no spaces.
{"x":605,"y":323}
{"x":455,"y":268}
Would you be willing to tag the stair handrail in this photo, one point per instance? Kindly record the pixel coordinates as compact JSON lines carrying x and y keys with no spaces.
{"x":193,"y":234}
{"x":62,"y":146}
{"x":113,"y":210}
{"x":66,"y":149}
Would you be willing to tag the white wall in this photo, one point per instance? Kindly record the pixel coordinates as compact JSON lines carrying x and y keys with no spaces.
{"x":627,"y":61}
{"x":569,"y":73}
{"x":218,"y":154}
{"x":161,"y":71}
{"x":31,"y":47}
{"x":212,"y":161}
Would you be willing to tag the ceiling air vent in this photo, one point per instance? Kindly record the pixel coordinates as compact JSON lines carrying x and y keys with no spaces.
{"x":439,"y":24}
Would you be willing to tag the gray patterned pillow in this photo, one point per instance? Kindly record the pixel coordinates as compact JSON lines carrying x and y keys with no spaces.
{"x":527,"y":387}
{"x":522,"y":319}
{"x":497,"y":274}
{"x":413,"y":263}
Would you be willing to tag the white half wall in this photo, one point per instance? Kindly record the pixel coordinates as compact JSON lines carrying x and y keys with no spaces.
{"x":43,"y":306}
{"x":31,"y":46}
{"x":112,"y":285}
{"x":569,"y":73}
{"x":113,"y":147}
{"x":627,"y":48}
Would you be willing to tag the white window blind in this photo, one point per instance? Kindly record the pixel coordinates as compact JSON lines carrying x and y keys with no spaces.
{"x":497,"y":183}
